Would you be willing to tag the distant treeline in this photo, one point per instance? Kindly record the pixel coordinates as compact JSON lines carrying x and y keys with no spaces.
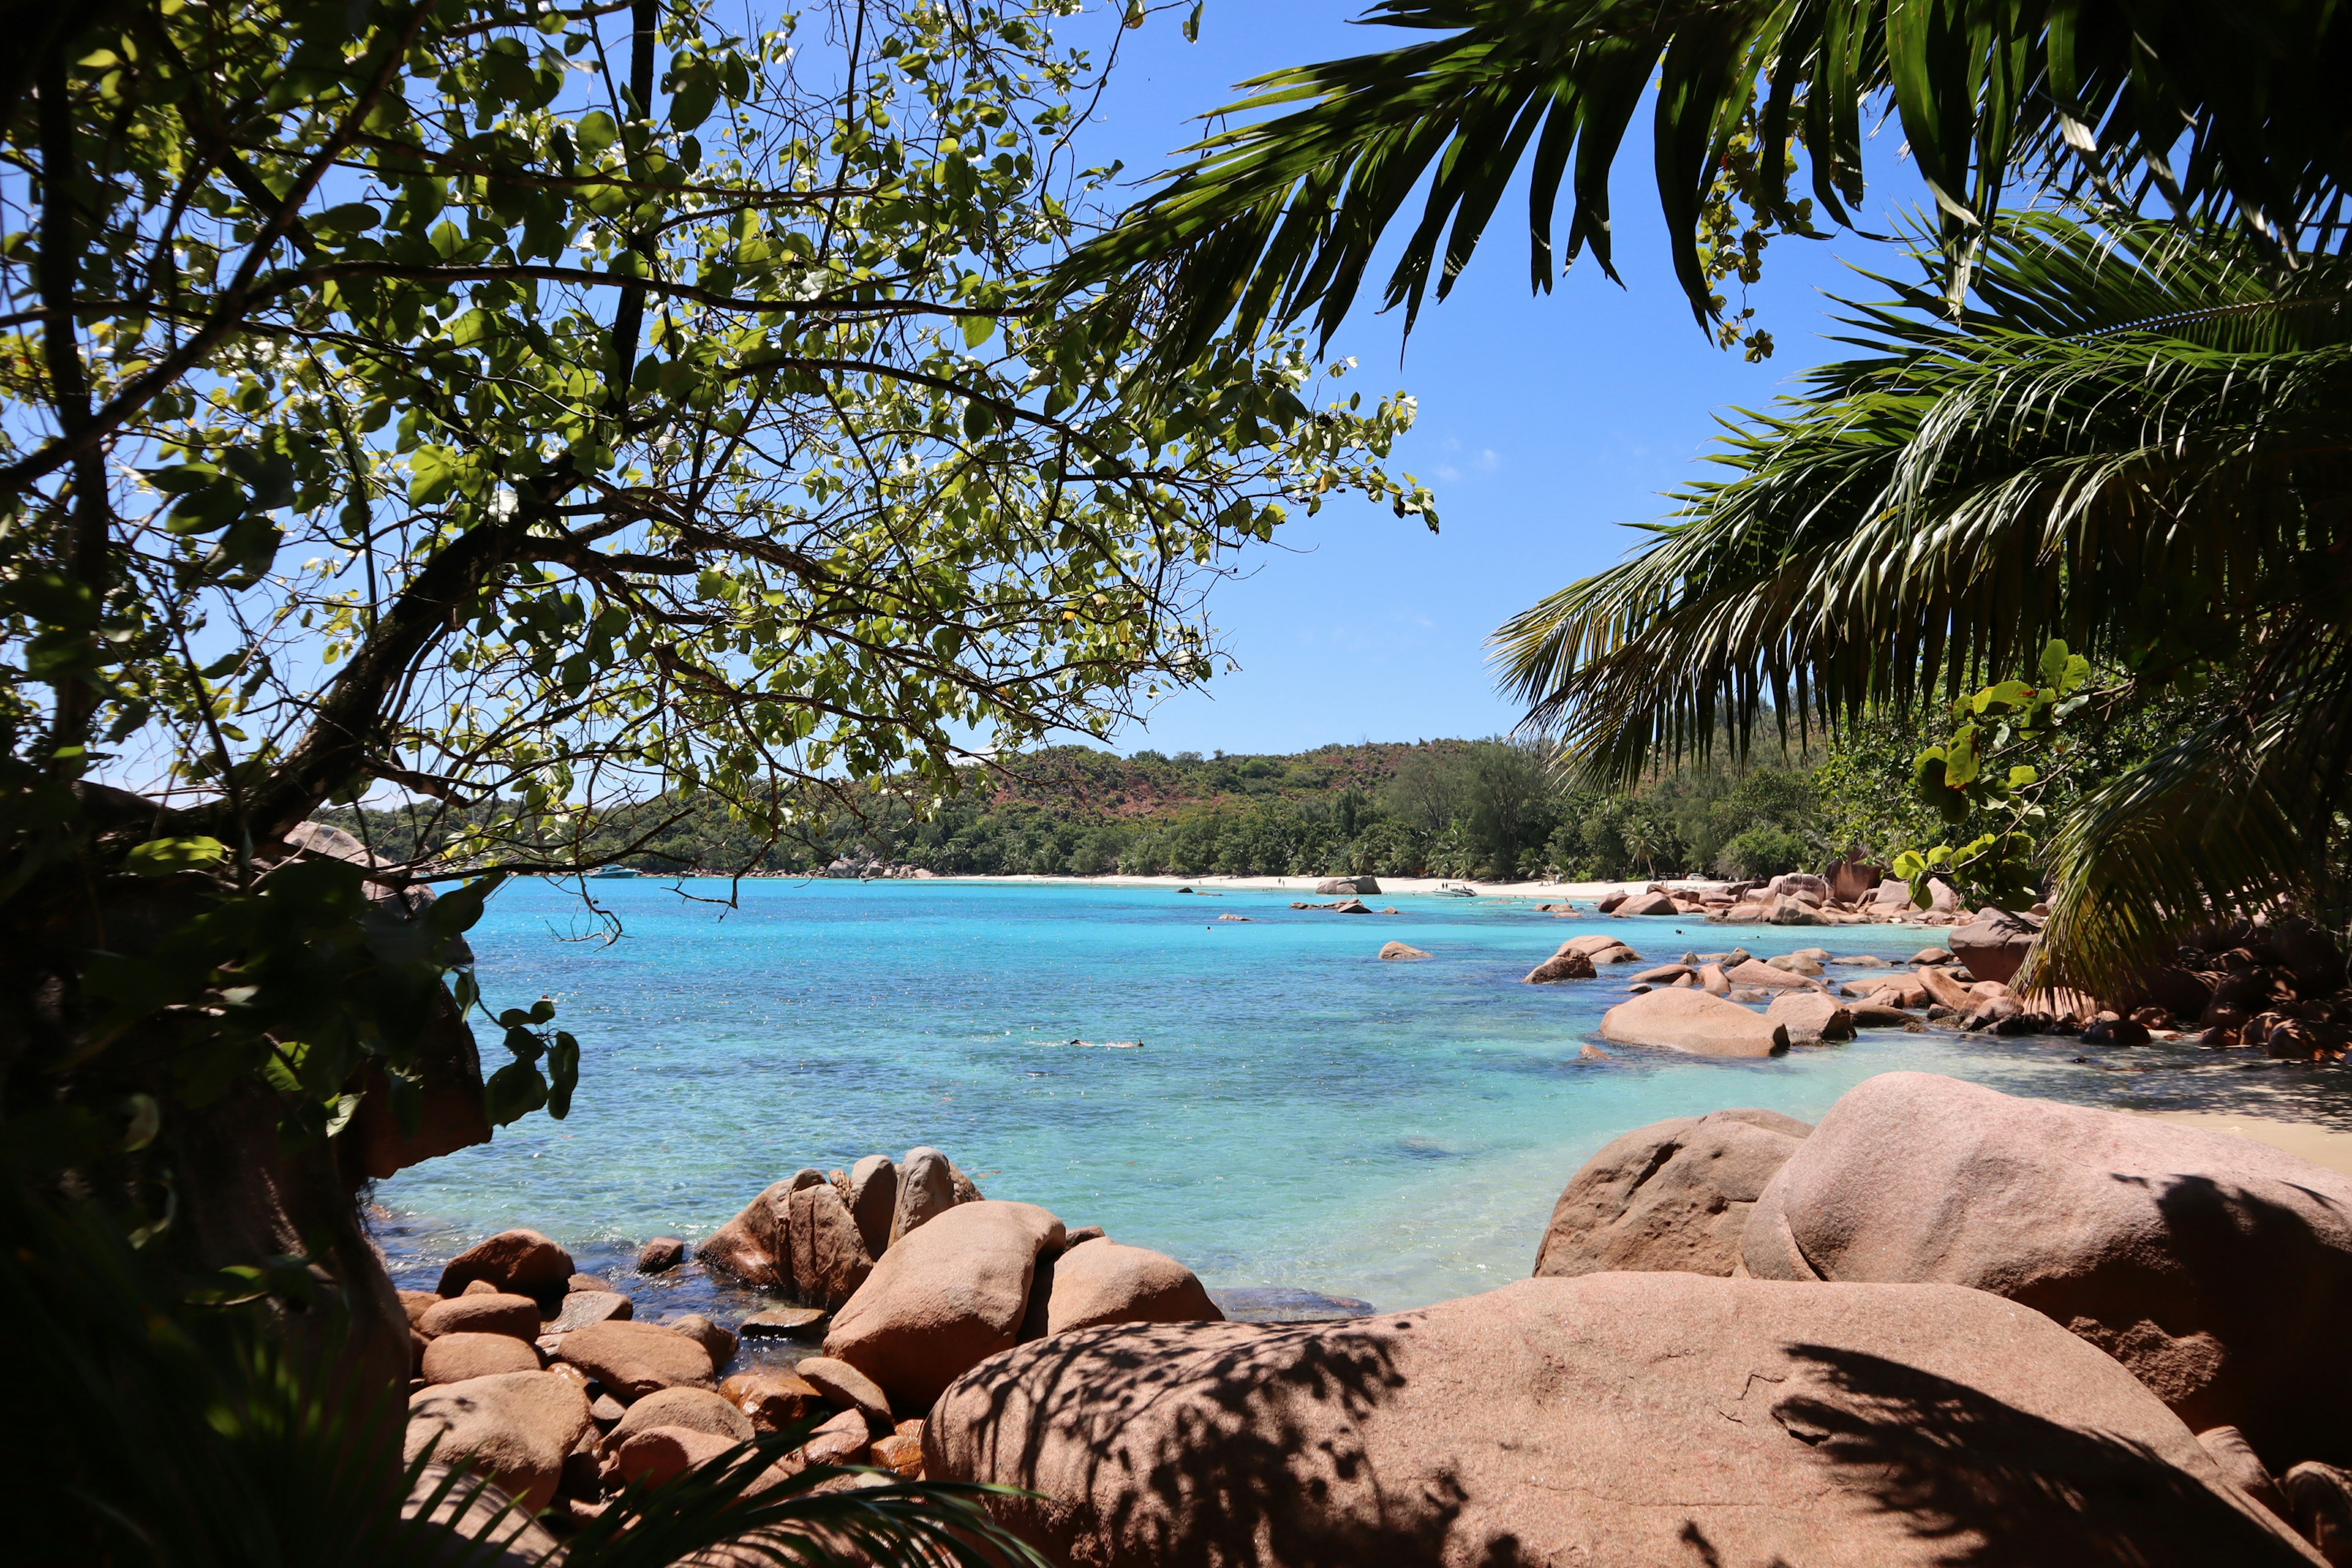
{"x":1443,"y":808}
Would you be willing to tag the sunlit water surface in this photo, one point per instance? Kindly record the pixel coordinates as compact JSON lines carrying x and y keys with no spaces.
{"x":1299,"y":1112}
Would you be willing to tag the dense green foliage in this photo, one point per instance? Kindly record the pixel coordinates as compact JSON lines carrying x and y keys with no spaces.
{"x":1443,"y":808}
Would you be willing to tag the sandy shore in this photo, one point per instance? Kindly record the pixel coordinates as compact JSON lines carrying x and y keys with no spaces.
{"x":2320,"y":1146}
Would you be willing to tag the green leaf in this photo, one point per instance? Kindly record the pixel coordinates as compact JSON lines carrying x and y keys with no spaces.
{"x":513,"y":1092}
{"x":595,"y":132}
{"x":1961,"y":761}
{"x":164,"y":857}
{"x":978,"y":330}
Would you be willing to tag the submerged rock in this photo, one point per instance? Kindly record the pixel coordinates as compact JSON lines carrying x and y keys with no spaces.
{"x":1397,"y":950}
{"x":1626,"y":1419}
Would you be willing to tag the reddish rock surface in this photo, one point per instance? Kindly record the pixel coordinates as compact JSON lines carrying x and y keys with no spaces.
{"x":458,"y":1357}
{"x":1618,"y":1419}
{"x":1105,"y":1282}
{"x":661,"y":1255}
{"x":756,"y":1246}
{"x":829,"y":1257}
{"x":1810,"y":1017}
{"x":773,"y":1399}
{"x":1561,"y":966}
{"x":943,"y":1297}
{"x":632,"y":1360}
{"x":846,"y":1388}
{"x":2214,"y":1268}
{"x":516,"y":1429}
{"x":517,"y":1316}
{"x":519,"y":1262}
{"x":1693,"y":1021}
{"x":1672,"y":1196}
{"x":697,"y":1409}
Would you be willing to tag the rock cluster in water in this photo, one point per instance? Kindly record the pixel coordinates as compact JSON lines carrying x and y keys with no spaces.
{"x":544,"y":1379}
{"x":1945,"y":1325}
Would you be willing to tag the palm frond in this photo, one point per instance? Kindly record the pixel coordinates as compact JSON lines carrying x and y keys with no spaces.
{"x":2137,"y":467}
{"x":2232,"y":114}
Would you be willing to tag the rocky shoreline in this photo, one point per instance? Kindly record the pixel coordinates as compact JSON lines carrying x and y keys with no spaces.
{"x":1944,"y":1320}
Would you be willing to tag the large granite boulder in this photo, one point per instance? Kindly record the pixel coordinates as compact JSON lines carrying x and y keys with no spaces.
{"x":1624,"y":1420}
{"x":944,"y":1298}
{"x":1675,"y":1194}
{"x":518,"y":1262}
{"x":1812,"y":1017}
{"x":515,"y":1427}
{"x":2214,"y":1268}
{"x":873,"y":1200}
{"x":1649,"y":904}
{"x":1103,"y":1281}
{"x":1681,"y":1019}
{"x":756,"y":1246}
{"x":829,"y":1257}
{"x":926,"y":1190}
{"x":1994,"y":943}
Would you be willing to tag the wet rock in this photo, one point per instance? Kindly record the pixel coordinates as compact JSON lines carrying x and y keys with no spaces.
{"x":1397,"y":950}
{"x":1613,"y":1418}
{"x":1675,"y":1194}
{"x":581,"y":1307}
{"x":944,"y":1297}
{"x":1810,"y":1017}
{"x":515,"y":1262}
{"x":2211,"y":1266}
{"x":1560,"y":966}
{"x":784,"y":1322}
{"x":756,"y":1246}
{"x":661,"y":1255}
{"x":1692,"y":1021}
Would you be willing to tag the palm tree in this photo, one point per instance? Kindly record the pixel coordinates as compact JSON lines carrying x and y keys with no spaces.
{"x":2232,"y":114}
{"x":2140,"y":441}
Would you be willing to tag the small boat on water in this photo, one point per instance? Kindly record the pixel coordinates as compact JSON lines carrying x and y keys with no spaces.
{"x":1453,"y":890}
{"x":612,"y":874}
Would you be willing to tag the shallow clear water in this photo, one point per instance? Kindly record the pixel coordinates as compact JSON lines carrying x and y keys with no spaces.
{"x":1299,"y":1113}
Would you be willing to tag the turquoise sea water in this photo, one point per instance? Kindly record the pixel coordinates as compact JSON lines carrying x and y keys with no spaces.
{"x":1299,"y":1113}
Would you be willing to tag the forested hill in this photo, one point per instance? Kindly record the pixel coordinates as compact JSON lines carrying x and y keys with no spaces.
{"x":1447,"y":808}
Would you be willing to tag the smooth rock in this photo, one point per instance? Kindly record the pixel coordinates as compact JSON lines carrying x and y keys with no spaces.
{"x":926,"y":1190}
{"x":485,"y":1514}
{"x":1663,"y":975}
{"x":1561,"y":966}
{"x":756,"y":1246}
{"x":517,"y":1262}
{"x":697,"y":1409}
{"x":770,"y":1399}
{"x":662,"y":1454}
{"x":1810,"y":1017}
{"x":1879,"y":1015}
{"x":1601,"y":949}
{"x":717,"y":1343}
{"x":1994,"y":944}
{"x":1713,"y":980}
{"x":1397,"y":950}
{"x":632,"y":1360}
{"x":873,"y":1201}
{"x":579,"y":1282}
{"x":900,"y":1451}
{"x":1762,"y":976}
{"x":1107,"y":1282}
{"x":1675,"y":1194}
{"x":1931,"y":957}
{"x":1617,"y":1419}
{"x":515,"y":1427}
{"x":497,"y":1313}
{"x":1692,"y":1021}
{"x":661,"y":1255}
{"x":459,"y":1357}
{"x":581,"y":1307}
{"x":844,"y":1386}
{"x":1942,"y":986}
{"x":944,"y":1298}
{"x":1648,"y":904}
{"x":829,"y":1257}
{"x":2214,"y":1268}
{"x":416,"y":1303}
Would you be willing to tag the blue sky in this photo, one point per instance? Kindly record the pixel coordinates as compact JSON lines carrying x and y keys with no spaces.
{"x":1546,"y":421}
